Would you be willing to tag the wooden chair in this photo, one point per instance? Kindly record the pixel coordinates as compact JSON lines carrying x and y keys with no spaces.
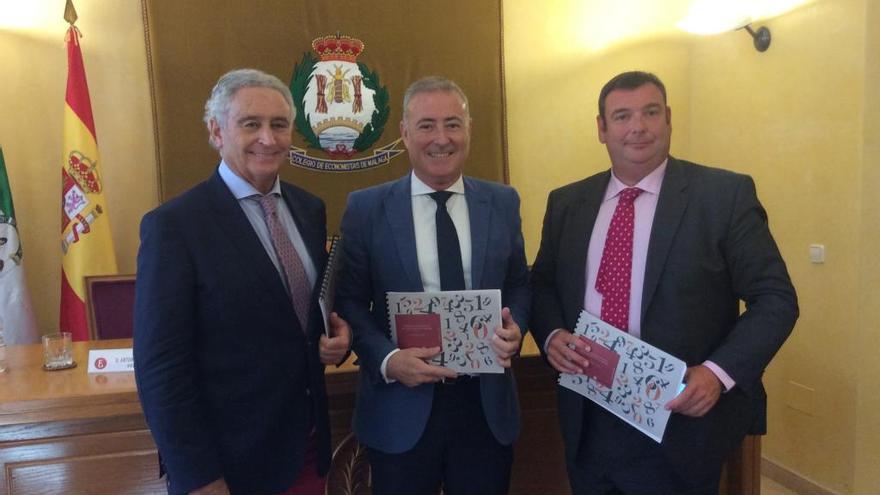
{"x":110,"y":304}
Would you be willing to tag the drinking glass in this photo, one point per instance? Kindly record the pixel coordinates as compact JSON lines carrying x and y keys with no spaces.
{"x":57,"y":351}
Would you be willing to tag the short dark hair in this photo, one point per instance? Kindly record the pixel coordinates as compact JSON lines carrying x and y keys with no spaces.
{"x":629,"y":80}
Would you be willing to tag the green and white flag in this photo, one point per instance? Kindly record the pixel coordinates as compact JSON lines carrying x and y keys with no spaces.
{"x":16,"y":311}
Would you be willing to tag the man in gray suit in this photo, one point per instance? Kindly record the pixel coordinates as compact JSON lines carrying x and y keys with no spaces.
{"x":685,"y":244}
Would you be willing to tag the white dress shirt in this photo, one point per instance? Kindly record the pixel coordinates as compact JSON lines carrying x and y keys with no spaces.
{"x":249,"y":199}
{"x":424,"y":209}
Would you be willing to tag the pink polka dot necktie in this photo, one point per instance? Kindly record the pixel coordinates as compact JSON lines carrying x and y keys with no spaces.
{"x":615,"y":270}
{"x":291,"y":265}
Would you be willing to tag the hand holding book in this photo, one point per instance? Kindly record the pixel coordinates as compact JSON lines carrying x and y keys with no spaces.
{"x":411,"y":366}
{"x":507,"y":339}
{"x":464,"y":323}
{"x":335,"y":345}
{"x":621,"y":373}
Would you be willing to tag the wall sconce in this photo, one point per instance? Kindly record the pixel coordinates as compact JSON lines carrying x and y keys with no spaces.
{"x":761,"y":37}
{"x":708,"y":17}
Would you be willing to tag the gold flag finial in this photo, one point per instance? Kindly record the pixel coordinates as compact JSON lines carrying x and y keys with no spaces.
{"x":70,"y":12}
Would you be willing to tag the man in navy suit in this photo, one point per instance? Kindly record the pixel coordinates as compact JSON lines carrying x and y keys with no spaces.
{"x":228,"y":341}
{"x":699,"y":244}
{"x":424,"y":426}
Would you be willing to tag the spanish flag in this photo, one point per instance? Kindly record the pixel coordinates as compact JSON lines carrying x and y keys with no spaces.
{"x":86,"y":243}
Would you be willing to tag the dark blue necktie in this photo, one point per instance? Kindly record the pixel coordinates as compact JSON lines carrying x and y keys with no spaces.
{"x":448,"y":250}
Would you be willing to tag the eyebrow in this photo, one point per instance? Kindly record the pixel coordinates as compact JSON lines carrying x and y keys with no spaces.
{"x":627,"y":109}
{"x":257,"y":117}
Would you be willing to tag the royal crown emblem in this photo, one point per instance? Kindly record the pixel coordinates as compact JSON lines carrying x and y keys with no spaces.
{"x":341,"y":107}
{"x":78,"y":179}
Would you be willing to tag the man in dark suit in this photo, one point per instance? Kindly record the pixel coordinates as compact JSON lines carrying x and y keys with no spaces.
{"x":423,"y":425}
{"x":228,"y":341}
{"x":699,"y":244}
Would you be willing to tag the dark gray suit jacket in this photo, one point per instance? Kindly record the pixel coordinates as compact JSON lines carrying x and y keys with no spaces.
{"x":229,"y":382}
{"x":380,"y":256}
{"x":710,"y":248}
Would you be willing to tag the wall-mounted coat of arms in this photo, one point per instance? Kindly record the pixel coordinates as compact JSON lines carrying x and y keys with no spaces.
{"x":341,"y":108}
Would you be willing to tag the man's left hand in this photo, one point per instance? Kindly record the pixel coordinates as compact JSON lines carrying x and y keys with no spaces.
{"x":700,"y":395}
{"x":333,"y":349}
{"x":507,"y":339}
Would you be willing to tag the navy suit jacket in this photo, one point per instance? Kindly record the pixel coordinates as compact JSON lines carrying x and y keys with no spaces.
{"x":710,"y":248}
{"x":228,"y":380}
{"x":380,"y":256}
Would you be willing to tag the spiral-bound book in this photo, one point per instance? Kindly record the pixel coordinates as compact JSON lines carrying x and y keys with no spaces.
{"x":461,"y":323}
{"x":627,"y":376}
{"x":327,"y":294}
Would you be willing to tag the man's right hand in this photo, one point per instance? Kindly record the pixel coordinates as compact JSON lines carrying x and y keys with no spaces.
{"x":216,"y":487}
{"x":562,"y":354}
{"x":408,"y":366}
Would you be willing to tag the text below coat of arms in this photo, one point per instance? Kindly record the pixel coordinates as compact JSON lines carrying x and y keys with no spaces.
{"x":341,"y":108}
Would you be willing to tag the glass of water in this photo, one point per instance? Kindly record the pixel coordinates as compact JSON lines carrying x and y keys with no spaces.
{"x":57,"y":351}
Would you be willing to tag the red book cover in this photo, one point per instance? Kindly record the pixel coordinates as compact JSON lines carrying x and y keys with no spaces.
{"x":421,"y":330}
{"x":603,"y":362}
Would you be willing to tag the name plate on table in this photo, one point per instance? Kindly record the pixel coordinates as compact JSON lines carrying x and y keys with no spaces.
{"x":110,"y":360}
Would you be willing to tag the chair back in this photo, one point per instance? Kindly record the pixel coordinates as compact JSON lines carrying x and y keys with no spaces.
{"x":110,"y":304}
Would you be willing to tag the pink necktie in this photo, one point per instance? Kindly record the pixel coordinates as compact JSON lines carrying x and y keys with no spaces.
{"x":615,"y":270}
{"x":291,"y":264}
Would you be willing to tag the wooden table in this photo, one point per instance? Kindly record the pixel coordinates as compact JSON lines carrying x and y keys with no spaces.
{"x":70,"y":432}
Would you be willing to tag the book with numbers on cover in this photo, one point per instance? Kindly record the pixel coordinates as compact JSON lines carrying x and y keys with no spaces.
{"x":461,"y":323}
{"x":327,"y":294}
{"x":627,"y":376}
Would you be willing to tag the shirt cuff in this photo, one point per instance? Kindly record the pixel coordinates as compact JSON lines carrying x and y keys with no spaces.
{"x":547,"y":342}
{"x":384,"y":366}
{"x":726,"y":380}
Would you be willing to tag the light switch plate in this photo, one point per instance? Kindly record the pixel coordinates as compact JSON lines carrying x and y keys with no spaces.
{"x":817,"y":253}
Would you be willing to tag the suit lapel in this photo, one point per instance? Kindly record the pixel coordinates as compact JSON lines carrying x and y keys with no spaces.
{"x":576,"y":238}
{"x":671,"y":206}
{"x":398,"y":209}
{"x":480,"y":216}
{"x":240,"y":233}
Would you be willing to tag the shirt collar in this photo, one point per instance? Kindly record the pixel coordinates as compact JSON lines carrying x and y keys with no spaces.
{"x":419,"y":188}
{"x":650,"y":183}
{"x":241,"y":188}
